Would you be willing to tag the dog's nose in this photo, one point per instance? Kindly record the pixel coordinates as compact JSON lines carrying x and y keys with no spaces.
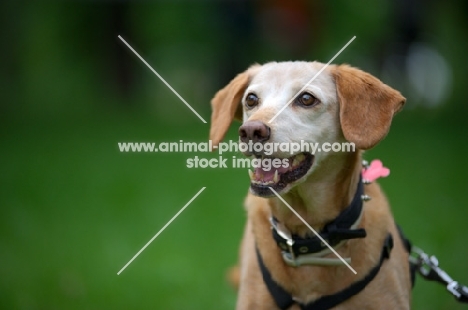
{"x":254,"y":131}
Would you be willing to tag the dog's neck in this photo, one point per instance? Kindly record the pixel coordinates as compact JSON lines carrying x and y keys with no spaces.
{"x":320,"y":198}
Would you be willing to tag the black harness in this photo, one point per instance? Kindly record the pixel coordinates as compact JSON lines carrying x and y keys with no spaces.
{"x":333,"y":232}
{"x":284,"y":300}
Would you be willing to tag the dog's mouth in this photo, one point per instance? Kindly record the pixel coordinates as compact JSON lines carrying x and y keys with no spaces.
{"x":278,"y":176}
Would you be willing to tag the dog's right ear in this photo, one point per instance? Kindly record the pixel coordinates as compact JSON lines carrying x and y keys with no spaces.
{"x":226,"y":106}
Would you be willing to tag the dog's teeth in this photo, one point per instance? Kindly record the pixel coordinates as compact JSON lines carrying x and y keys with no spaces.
{"x":276,"y":178}
{"x":251,"y":174}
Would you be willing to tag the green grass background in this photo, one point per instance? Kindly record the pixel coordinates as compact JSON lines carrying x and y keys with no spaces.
{"x":74,"y":210}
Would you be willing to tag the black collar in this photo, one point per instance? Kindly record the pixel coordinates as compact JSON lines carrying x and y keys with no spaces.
{"x":333,"y":232}
{"x":284,"y":300}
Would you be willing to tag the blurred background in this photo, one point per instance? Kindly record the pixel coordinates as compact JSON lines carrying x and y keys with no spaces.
{"x":74,"y":210}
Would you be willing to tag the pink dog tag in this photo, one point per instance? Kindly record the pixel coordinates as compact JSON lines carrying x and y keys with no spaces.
{"x":374,"y":171}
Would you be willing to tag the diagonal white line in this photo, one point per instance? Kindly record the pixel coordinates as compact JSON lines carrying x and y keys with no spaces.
{"x":163,"y":80}
{"x":313,"y":78}
{"x":161,"y":230}
{"x":313,"y":230}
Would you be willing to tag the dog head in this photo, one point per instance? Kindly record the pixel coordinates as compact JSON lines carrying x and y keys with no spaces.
{"x":283,"y":105}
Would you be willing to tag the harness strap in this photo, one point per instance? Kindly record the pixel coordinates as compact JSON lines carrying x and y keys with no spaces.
{"x":284,"y":300}
{"x":408,"y":246}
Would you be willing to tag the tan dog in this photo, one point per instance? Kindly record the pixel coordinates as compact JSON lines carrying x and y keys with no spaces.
{"x":341,"y":104}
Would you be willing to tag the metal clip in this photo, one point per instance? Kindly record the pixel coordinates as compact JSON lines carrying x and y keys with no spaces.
{"x":428,"y":267}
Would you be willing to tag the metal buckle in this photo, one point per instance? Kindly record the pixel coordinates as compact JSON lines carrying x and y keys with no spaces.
{"x":285,"y":234}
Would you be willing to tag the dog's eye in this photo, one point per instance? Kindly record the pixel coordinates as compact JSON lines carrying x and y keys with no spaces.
{"x":251,"y":100}
{"x":307,"y":100}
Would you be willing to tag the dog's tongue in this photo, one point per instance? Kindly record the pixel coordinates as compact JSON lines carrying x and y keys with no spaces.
{"x":262,"y":174}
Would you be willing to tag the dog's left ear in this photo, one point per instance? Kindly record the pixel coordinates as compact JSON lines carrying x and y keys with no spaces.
{"x":226,"y":106}
{"x":367,"y":106}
